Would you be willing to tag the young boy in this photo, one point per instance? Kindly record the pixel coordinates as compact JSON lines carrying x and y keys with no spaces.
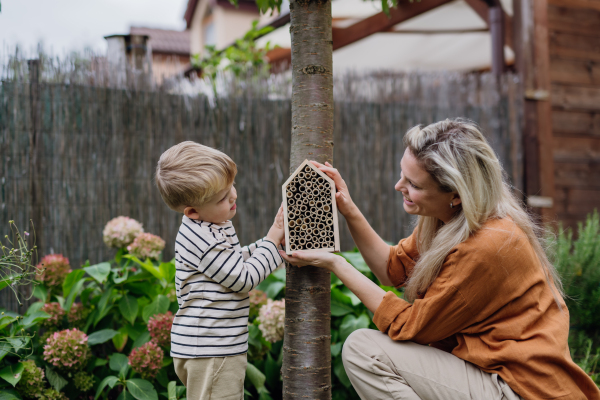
{"x":209,"y":338}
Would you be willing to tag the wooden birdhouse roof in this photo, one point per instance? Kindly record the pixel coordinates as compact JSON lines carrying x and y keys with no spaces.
{"x":312,"y":166}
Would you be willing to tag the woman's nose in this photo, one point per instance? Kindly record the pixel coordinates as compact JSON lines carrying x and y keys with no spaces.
{"x":398,"y":185}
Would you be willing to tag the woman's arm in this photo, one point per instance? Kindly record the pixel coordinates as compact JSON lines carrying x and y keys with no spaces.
{"x":373,"y":249}
{"x":365,"y":289}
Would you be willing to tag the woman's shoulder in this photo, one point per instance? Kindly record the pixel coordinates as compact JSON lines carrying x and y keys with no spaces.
{"x":495,"y":235}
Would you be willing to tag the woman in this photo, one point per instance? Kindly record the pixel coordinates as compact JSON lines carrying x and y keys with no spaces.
{"x":483,"y":315}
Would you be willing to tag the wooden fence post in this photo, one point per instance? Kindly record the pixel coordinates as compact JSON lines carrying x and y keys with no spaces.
{"x":35,"y":154}
{"x":533,"y":64}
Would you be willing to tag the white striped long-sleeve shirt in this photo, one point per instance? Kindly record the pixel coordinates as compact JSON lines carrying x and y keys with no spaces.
{"x":213,"y":278}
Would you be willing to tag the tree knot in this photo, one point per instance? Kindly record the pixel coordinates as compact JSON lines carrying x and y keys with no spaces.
{"x":314,"y":69}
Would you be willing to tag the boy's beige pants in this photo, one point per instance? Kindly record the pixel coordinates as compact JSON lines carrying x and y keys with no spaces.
{"x":215,"y":378}
{"x":380,"y":368}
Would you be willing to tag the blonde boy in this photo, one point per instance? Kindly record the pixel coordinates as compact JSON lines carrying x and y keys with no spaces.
{"x":209,"y":338}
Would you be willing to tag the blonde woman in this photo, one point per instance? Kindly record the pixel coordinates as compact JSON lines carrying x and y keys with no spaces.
{"x":483,"y":315}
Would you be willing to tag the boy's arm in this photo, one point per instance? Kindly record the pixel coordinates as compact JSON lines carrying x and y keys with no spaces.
{"x":226,"y":266}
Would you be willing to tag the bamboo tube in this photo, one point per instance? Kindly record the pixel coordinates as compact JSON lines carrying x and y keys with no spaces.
{"x":320,"y":180}
{"x":313,"y":174}
{"x":291,"y":224}
{"x":308,"y":184}
{"x":312,"y":225}
{"x":307,"y":169}
{"x":292,"y":246}
{"x":297,"y":228}
{"x":316,"y":192}
{"x":319,"y":204}
{"x":303,"y":226}
{"x":319,"y":212}
{"x":313,"y":210}
{"x":320,"y":226}
{"x":326,"y":208}
{"x":298,"y":196}
{"x":331,"y":244}
{"x":291,"y":215}
{"x":328,"y":215}
{"x":311,"y":203}
{"x":301,"y":188}
{"x":309,"y":245}
{"x":300,"y":175}
{"x":303,"y":208}
{"x":291,"y":201}
{"x":302,"y":241}
{"x":329,"y":221}
{"x":306,"y":220}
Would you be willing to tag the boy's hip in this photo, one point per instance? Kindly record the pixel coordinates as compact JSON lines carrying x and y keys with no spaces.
{"x":212,"y":378}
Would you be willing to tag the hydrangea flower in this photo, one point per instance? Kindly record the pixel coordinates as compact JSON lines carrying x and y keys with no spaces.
{"x":53,"y":269}
{"x":258,"y":298}
{"x":77,"y":315}
{"x":121,"y":231}
{"x":83,"y":381}
{"x":272,"y":320}
{"x":159,"y":326}
{"x":56,"y":313}
{"x":147,"y":360}
{"x":146,"y":245}
{"x":51,"y":394}
{"x":32,"y":380}
{"x":67,"y":350}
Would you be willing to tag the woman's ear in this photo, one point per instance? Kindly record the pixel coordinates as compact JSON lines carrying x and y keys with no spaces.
{"x":456,"y":199}
{"x":191,"y":213}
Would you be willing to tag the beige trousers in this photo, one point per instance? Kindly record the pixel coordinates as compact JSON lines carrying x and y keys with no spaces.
{"x":380,"y":368}
{"x":215,"y":378}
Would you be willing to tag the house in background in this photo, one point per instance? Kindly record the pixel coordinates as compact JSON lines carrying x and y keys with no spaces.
{"x":218,"y":22}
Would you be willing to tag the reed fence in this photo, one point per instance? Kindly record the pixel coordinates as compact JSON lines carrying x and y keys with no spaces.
{"x":75,"y":153}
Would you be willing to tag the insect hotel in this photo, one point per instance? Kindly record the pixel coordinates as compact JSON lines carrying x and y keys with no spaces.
{"x":310,"y":212}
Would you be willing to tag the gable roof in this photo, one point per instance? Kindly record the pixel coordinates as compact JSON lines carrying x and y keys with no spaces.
{"x":317,"y":170}
{"x":243,"y":5}
{"x":165,"y":41}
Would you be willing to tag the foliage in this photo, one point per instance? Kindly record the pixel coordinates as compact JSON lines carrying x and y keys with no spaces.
{"x":52,"y":270}
{"x":578,"y":263}
{"x":17,"y":262}
{"x":240,"y":59}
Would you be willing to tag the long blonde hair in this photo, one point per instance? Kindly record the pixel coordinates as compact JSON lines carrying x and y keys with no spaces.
{"x":459,"y":158}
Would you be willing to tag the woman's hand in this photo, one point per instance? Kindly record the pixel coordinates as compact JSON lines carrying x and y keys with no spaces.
{"x":302,"y":258}
{"x":342,"y":196}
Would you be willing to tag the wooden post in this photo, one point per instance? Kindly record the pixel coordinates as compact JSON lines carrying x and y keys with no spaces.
{"x":496,"y":18}
{"x":533,"y":64}
{"x":35,"y":203}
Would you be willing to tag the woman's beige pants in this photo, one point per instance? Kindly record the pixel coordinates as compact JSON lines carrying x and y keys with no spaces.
{"x":380,"y":368}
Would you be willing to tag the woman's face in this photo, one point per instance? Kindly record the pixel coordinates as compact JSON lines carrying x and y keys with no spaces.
{"x":422,"y":194}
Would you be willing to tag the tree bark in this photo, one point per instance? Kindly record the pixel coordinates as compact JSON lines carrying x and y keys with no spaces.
{"x":306,"y":353}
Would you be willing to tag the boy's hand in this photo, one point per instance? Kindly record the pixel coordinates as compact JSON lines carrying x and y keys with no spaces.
{"x":277,"y":233}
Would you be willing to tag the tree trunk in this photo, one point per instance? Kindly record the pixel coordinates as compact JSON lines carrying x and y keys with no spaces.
{"x":307,"y":353}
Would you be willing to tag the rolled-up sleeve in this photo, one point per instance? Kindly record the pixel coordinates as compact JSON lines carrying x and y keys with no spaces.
{"x":402,"y":259}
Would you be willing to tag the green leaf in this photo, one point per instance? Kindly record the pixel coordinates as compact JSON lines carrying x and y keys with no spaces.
{"x":73,"y":294}
{"x":101,"y":336}
{"x":13,"y":373}
{"x":147,"y":265}
{"x":37,"y":306}
{"x":341,"y":304}
{"x":141,"y":389}
{"x":129,"y":308}
{"x":340,"y":372}
{"x":102,"y":304}
{"x":172,"y":390}
{"x":41,"y":292}
{"x":274,"y":288}
{"x":350,"y":323}
{"x":118,"y":361}
{"x":6,"y":320}
{"x":18,"y":342}
{"x":120,"y":339}
{"x":125,"y":395}
{"x":4,"y":349}
{"x":336,"y":349}
{"x":255,"y":376}
{"x":168,"y":271}
{"x":357,"y":261}
{"x":162,"y":377}
{"x":9,"y":394}
{"x":56,"y":381}
{"x":159,"y":306}
{"x":110,"y":381}
{"x":99,"y":271}
{"x":142,"y":339}
{"x":120,"y":279}
{"x":33,"y":318}
{"x":71,"y":279}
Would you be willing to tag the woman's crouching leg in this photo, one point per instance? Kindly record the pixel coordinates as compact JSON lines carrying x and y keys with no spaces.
{"x":371,"y":371}
{"x":380,"y":368}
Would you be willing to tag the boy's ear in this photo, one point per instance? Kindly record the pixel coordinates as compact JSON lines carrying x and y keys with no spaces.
{"x":191,"y":213}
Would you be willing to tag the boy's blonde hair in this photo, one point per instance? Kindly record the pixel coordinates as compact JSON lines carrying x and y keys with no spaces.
{"x":189,"y":174}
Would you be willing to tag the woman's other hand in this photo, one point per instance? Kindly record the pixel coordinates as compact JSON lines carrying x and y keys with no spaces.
{"x":317,"y":258}
{"x":344,"y":203}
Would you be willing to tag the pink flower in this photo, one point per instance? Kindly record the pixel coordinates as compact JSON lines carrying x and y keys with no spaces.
{"x":272,"y":320}
{"x":121,"y":231}
{"x":67,"y":350}
{"x":160,"y":328}
{"x":146,"y":245}
{"x":32,"y":380}
{"x":53,"y":269}
{"x":56,"y":313}
{"x":147,"y":360}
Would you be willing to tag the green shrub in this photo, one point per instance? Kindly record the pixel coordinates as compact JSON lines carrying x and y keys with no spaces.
{"x":578,"y":263}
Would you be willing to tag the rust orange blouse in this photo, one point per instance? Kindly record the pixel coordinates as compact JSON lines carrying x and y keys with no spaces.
{"x":490,"y":305}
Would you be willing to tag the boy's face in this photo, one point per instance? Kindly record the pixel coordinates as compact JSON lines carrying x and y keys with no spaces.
{"x":220,"y":208}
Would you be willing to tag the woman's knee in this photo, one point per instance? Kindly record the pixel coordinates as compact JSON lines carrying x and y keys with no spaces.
{"x":358,"y":342}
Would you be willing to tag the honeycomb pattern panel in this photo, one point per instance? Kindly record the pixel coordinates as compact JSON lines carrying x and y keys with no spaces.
{"x":310,"y":211}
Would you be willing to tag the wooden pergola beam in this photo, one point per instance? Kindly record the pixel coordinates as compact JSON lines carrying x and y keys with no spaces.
{"x":381,"y":22}
{"x":482,"y":8}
